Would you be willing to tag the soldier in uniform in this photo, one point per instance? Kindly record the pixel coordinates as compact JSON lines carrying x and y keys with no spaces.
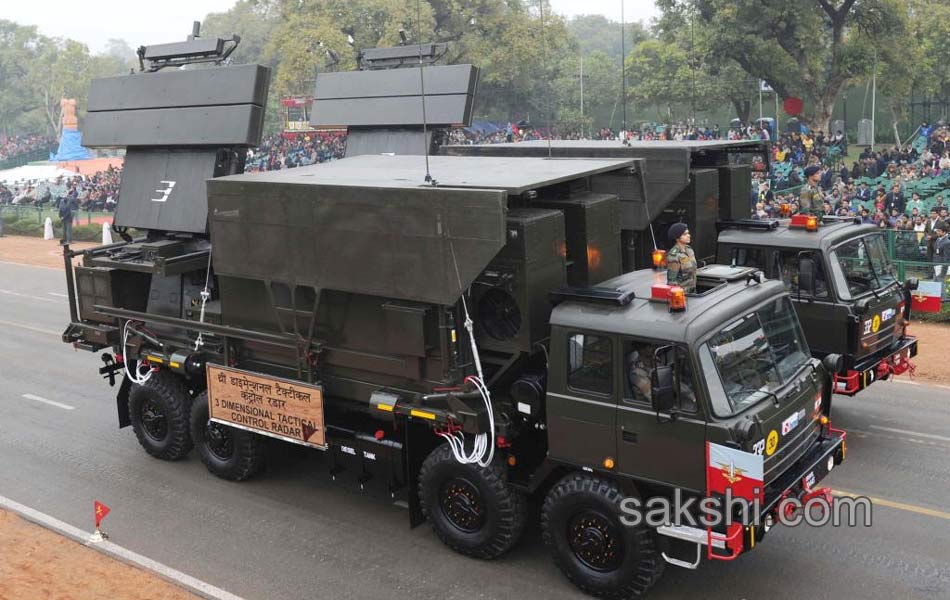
{"x":680,"y":260}
{"x":810,"y":199}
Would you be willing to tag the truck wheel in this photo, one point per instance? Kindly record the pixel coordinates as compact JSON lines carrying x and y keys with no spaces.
{"x":159,"y":414}
{"x":227,"y":452}
{"x":580,"y":524}
{"x":471,"y":508}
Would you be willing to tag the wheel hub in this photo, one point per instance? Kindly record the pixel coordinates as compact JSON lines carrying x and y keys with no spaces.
{"x":461,"y":504}
{"x":154,"y":421}
{"x":595,"y":541}
{"x":219,"y":440}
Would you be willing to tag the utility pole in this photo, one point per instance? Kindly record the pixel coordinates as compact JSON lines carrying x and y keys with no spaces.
{"x":582,"y":91}
{"x":873,"y":96}
{"x":623,"y":72}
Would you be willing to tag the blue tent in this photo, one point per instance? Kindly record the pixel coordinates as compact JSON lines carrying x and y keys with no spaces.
{"x":70,"y":147}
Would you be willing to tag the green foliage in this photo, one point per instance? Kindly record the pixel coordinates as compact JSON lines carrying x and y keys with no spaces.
{"x":807,"y":48}
{"x":36,"y":72}
{"x":596,"y":33}
{"x":930,"y":28}
{"x":256,"y":21}
{"x":502,"y":37}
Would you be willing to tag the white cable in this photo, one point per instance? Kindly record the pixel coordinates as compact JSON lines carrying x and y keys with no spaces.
{"x":138,"y":377}
{"x":484,"y":443}
{"x":205,"y":294}
{"x":456,"y":439}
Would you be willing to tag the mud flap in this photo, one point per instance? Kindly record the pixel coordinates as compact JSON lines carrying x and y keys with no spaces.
{"x":122,"y":402}
{"x":418,"y":442}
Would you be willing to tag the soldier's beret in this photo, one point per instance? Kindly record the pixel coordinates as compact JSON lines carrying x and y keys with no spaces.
{"x":809,"y":171}
{"x":676,"y":230}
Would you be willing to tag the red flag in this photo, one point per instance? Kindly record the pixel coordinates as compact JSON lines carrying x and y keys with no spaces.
{"x":926,"y":298}
{"x":101,"y":511}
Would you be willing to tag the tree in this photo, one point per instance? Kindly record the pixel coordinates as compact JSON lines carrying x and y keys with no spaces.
{"x":677,"y":71}
{"x":661,"y":77}
{"x":597,"y":33}
{"x":502,"y":37}
{"x":256,"y":21}
{"x":930,"y":27}
{"x":807,"y":48}
{"x":18,"y":50}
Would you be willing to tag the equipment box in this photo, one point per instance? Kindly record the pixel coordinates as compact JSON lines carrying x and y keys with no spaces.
{"x":110,"y":287}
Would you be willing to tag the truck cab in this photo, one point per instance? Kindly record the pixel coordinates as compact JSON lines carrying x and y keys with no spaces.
{"x":842,"y":285}
{"x":641,"y":387}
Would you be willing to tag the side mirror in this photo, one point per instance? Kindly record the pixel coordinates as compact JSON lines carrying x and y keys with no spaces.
{"x":663,"y":398}
{"x":862,"y":306}
{"x":806,"y":276}
{"x":833,"y":363}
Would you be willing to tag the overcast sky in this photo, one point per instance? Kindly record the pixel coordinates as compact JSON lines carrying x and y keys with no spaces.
{"x":138,"y":22}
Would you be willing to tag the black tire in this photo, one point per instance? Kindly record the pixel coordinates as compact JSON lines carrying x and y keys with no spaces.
{"x":471,"y":508}
{"x":227,"y":452}
{"x":159,"y":414}
{"x":580,"y":524}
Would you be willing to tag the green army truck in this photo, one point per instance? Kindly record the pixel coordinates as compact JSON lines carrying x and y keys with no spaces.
{"x":842,"y":285}
{"x":440,"y":327}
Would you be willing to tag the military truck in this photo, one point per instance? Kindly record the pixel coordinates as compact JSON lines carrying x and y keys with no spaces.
{"x":843,"y":287}
{"x":419,"y":321}
{"x":706,"y":185}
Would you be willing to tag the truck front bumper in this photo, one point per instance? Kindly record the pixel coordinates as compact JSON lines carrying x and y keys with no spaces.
{"x":790,"y":492}
{"x":895,"y":361}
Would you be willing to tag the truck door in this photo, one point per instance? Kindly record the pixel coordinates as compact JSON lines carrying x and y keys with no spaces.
{"x":669,"y":452}
{"x":824,"y":322}
{"x":581,"y":405}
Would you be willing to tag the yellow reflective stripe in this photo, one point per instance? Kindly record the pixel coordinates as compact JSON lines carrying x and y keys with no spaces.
{"x":422,"y":414}
{"x":174,"y":365}
{"x":386,"y":407}
{"x":155,"y":359}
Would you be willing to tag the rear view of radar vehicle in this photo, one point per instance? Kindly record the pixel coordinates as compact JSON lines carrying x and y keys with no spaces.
{"x":458,"y":330}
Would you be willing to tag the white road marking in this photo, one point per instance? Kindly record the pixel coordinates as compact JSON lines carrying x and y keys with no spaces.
{"x":58,"y":295}
{"x":16,"y":264}
{"x":50,"y":402}
{"x":196,"y":586}
{"x":920,"y":510}
{"x":18,"y":294}
{"x":906,"y":382}
{"x":930,"y":436}
{"x":29,"y":328}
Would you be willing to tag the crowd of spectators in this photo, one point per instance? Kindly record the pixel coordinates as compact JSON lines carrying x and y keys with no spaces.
{"x":15,"y":145}
{"x":280,"y":152}
{"x":901,"y":189}
{"x":97,"y":192}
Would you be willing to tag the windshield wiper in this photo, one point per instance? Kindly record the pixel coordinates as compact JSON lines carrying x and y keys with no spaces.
{"x":751,"y":390}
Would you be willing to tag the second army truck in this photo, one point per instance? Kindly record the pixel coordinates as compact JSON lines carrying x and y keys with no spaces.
{"x":843,"y":285}
{"x":433,"y":336}
{"x":861,"y":311}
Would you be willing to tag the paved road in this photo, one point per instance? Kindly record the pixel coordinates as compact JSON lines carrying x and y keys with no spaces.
{"x":293,"y":534}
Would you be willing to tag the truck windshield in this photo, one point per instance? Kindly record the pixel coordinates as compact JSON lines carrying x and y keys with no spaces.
{"x":864,"y":265}
{"x":759,"y":353}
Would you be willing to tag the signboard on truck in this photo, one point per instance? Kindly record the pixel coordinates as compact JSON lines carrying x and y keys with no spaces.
{"x":281,"y":408}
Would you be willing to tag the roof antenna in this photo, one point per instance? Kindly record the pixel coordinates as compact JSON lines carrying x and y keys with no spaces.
{"x":623,"y":76}
{"x":544,"y":69}
{"x":422,"y":85}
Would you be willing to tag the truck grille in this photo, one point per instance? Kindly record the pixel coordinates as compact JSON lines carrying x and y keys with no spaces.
{"x":877,"y":341}
{"x":791,"y":450}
